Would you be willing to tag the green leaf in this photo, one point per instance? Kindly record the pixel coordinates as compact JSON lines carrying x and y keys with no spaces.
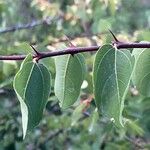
{"x":141,"y":74}
{"x":94,"y":119}
{"x":70,"y":73}
{"x":6,"y":82}
{"x":9,"y":67}
{"x":20,"y":48}
{"x":112,"y":7}
{"x":77,"y":113}
{"x":111,"y":79}
{"x":32,"y":86}
{"x":134,"y":128}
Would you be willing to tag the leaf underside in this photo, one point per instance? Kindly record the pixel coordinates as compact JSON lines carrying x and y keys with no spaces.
{"x":111,"y":78}
{"x":32,"y":86}
{"x":70,"y":73}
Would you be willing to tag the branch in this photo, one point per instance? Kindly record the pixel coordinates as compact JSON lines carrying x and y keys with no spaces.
{"x":45,"y":21}
{"x":75,"y":50}
{"x":71,"y":50}
{"x":133,"y":45}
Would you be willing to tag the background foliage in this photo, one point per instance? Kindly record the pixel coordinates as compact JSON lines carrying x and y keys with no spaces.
{"x":85,"y":22}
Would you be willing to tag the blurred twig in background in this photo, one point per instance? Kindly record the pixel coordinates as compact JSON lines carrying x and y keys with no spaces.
{"x":34,"y":23}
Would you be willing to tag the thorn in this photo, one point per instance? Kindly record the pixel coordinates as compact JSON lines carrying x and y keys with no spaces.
{"x":116,"y":40}
{"x":70,"y":45}
{"x":69,"y":42}
{"x":38,"y":53}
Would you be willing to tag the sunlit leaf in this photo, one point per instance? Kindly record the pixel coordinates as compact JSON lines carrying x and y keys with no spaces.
{"x":70,"y":73}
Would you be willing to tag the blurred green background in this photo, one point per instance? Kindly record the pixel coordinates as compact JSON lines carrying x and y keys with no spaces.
{"x":85,"y":23}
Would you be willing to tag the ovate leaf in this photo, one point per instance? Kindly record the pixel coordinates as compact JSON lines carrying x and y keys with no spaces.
{"x":32,"y":86}
{"x":70,"y":72}
{"x":141,"y":74}
{"x":111,"y":78}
